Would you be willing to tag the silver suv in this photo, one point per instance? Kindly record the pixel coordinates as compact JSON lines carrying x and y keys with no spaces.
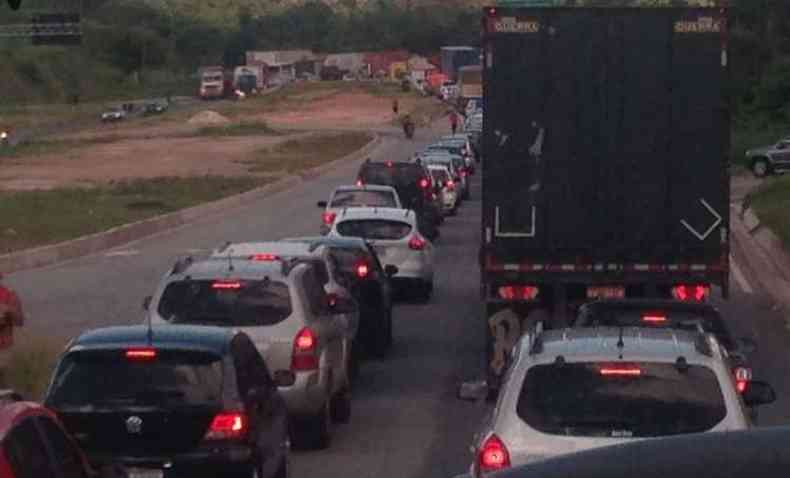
{"x":283,"y":307}
{"x":577,"y":389}
{"x":770,"y":159}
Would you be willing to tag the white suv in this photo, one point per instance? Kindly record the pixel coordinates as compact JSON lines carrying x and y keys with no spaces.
{"x":366,"y":195}
{"x":577,"y":389}
{"x":396,"y":238}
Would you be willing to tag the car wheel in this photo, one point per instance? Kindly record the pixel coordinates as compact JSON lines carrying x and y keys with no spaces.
{"x":760,"y":168}
{"x":341,"y":406}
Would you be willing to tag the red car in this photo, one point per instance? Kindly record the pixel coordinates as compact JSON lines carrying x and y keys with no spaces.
{"x":33,"y":443}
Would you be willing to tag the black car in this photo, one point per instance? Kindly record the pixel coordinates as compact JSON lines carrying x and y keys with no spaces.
{"x":414,"y":186}
{"x":670,"y":314}
{"x":369,"y":283}
{"x":172,"y":401}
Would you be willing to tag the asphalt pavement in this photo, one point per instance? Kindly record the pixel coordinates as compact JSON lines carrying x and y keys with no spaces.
{"x":406,"y":421}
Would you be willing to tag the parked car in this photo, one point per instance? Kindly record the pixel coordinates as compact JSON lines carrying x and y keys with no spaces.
{"x":154,"y":109}
{"x":294,"y":323}
{"x":113,"y":114}
{"x":577,"y":389}
{"x":395,"y":236}
{"x":690,"y":316}
{"x":770,"y":159}
{"x":445,"y":187}
{"x":172,"y":401}
{"x":415,"y":190}
{"x":34,"y":443}
{"x":369,"y":282}
{"x":366,"y":195}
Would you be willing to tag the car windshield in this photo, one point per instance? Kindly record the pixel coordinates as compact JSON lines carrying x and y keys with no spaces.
{"x":363,"y":198}
{"x":109,"y":378}
{"x":657,"y":317}
{"x":374,"y":229}
{"x":620,"y":400}
{"x":230,"y":303}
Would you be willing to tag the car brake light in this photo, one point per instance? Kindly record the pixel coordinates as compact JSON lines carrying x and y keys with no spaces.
{"x":518,"y":292}
{"x":654,"y":319}
{"x":141,"y":354}
{"x":743,"y":375}
{"x":328,"y":218}
{"x":463,"y":173}
{"x":417,"y":243}
{"x":362,"y":270}
{"x":359,"y":182}
{"x":620,"y":371}
{"x":451,"y":185}
{"x":493,"y":455}
{"x":687,"y":293}
{"x":264,"y":257}
{"x":227,"y":426}
{"x":226,"y":285}
{"x":304,"y":351}
{"x":389,"y":164}
{"x":424,"y":183}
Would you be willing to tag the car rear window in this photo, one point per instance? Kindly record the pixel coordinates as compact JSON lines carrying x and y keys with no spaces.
{"x":374,"y":229}
{"x":711,"y":322}
{"x":440,"y":175}
{"x":614,"y":400}
{"x":244,"y":303}
{"x":172,"y":378}
{"x":362,"y":198}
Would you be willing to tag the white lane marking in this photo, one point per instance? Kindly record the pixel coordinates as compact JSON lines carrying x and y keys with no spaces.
{"x":124,"y":253}
{"x":740,"y":278}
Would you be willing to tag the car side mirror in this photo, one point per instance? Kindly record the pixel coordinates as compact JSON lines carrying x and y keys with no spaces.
{"x":322,"y":204}
{"x":759,"y":393}
{"x":147,"y":302}
{"x":391,"y":270}
{"x":746,"y":346}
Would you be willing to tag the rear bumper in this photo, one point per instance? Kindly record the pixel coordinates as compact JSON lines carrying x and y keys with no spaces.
{"x":307,"y":395}
{"x":414,"y":270}
{"x":217,"y":461}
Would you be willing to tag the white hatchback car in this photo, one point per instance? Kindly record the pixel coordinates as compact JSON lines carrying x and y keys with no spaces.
{"x":370,"y":195}
{"x":447,"y":189}
{"x":397,"y":240}
{"x":577,"y":389}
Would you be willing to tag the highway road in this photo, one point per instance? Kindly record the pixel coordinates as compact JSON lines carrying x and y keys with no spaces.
{"x":406,"y":421}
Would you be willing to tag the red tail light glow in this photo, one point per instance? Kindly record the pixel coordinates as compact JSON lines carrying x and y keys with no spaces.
{"x":493,"y":455}
{"x":227,"y":426}
{"x":417,"y":243}
{"x":689,"y":293}
{"x":743,"y":375}
{"x":226,"y":285}
{"x":305,"y":355}
{"x":518,"y":292}
{"x":451,"y":185}
{"x":425,"y":183}
{"x":621,"y":372}
{"x":362,"y":270}
{"x":359,"y":182}
{"x":654,"y":319}
{"x":328,"y":218}
{"x":463,"y":173}
{"x":264,"y":257}
{"x":141,"y":354}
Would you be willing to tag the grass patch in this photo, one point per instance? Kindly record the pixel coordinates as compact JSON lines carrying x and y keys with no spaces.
{"x":771,"y":202}
{"x":35,"y":218}
{"x":298,"y":154}
{"x":244,"y":128}
{"x":36,"y":148}
{"x":29,"y":365}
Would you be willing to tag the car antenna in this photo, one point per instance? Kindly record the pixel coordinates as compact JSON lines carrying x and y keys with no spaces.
{"x":150,"y":331}
{"x":230,"y":261}
{"x":620,"y":343}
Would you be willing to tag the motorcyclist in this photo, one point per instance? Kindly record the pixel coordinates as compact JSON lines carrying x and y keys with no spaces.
{"x":4,"y":138}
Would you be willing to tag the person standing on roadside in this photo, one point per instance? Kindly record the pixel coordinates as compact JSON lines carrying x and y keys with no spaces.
{"x":395,"y":106}
{"x":454,"y":121}
{"x":10,"y":314}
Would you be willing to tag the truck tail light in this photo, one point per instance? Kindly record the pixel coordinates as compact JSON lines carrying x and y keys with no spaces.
{"x":691,"y":293}
{"x":305,"y":351}
{"x":518,"y":292}
{"x":493,"y":455}
{"x":227,"y":426}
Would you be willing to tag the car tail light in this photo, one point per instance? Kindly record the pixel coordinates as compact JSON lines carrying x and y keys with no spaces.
{"x":227,"y":426}
{"x":328,"y":218}
{"x":389,"y":164}
{"x":142,"y":354}
{"x":493,"y":455}
{"x":654,"y":319}
{"x":305,"y":351}
{"x":621,"y":371}
{"x":463,"y":173}
{"x":225,"y":285}
{"x":425,"y":183}
{"x":264,"y":257}
{"x":691,"y":293}
{"x":451,"y":185}
{"x":362,"y":270}
{"x":518,"y":292}
{"x":417,"y":243}
{"x":359,"y":182}
{"x":743,"y":375}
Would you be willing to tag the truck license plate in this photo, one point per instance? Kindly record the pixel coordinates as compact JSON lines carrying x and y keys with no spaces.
{"x":606,"y":292}
{"x":144,"y":473}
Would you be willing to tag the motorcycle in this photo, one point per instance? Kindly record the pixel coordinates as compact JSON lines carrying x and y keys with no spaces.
{"x":5,"y":139}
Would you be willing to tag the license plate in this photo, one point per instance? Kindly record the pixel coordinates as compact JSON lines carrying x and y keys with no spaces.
{"x":144,"y":473}
{"x":606,"y":292}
